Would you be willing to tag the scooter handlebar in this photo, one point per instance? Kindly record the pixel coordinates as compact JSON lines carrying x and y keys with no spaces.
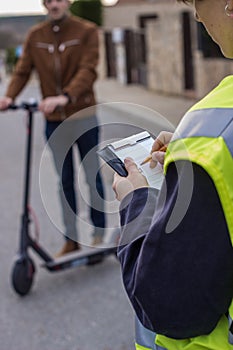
{"x":31,"y":105}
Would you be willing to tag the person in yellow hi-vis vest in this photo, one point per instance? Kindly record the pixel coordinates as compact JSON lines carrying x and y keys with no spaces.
{"x":176,"y":245}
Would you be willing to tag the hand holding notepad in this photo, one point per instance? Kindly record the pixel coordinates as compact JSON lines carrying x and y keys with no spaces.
{"x":137,"y":147}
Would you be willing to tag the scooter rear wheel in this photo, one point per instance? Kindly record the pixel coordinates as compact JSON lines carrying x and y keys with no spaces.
{"x":22,"y":275}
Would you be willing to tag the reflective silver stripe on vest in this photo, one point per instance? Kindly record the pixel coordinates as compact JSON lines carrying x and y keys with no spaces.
{"x":211,"y":122}
{"x":230,"y":334}
{"x":145,"y":337}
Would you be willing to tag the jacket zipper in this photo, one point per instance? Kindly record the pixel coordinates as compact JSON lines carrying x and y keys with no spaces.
{"x":57,"y":66}
{"x":55,"y":50}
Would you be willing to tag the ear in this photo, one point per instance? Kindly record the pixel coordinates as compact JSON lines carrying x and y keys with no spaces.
{"x":44,"y":3}
{"x":230,"y":5}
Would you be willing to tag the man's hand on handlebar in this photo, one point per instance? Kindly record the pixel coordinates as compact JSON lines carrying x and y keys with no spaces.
{"x":49,"y":104}
{"x":5,"y":102}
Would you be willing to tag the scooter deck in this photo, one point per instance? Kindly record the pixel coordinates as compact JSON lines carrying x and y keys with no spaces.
{"x":85,"y":256}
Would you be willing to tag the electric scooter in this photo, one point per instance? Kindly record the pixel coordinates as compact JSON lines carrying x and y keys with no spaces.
{"x":24,"y":268}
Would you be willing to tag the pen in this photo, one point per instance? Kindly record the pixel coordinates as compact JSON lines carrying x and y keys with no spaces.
{"x":148,"y":159}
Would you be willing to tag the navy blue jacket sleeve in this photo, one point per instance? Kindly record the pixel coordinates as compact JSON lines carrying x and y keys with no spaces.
{"x":179,"y":276}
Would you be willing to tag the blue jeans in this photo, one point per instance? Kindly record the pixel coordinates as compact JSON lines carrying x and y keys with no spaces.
{"x":85,"y":134}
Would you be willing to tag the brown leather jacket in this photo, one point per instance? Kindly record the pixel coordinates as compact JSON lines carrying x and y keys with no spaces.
{"x":65,"y":56}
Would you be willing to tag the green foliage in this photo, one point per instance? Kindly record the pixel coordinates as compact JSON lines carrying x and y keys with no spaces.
{"x":88,"y":9}
{"x":11,"y":59}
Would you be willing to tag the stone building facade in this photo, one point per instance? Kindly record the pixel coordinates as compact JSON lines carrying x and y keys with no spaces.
{"x":175,"y":63}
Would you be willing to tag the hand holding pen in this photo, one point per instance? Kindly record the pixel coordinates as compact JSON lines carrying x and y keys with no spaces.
{"x":158,"y":149}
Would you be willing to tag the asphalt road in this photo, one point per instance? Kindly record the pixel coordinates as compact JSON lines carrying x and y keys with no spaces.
{"x":82,"y":308}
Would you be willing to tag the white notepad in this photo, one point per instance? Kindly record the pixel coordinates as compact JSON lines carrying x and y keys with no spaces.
{"x":138,"y":147}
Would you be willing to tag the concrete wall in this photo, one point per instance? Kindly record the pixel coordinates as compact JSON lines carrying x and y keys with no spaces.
{"x":209,"y":72}
{"x":164,"y":38}
{"x":125,"y":14}
{"x":165,"y":53}
{"x":102,"y":63}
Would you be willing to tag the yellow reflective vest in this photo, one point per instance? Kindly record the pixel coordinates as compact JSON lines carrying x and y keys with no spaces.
{"x":205,"y":137}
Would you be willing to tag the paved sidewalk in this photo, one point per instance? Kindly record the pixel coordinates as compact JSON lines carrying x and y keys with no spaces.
{"x":171,"y":107}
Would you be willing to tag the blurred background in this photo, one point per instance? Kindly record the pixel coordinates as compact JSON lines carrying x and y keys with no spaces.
{"x":153,"y":55}
{"x":136,"y":36}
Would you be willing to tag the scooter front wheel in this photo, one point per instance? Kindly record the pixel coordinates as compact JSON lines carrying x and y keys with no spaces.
{"x":22,"y":275}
